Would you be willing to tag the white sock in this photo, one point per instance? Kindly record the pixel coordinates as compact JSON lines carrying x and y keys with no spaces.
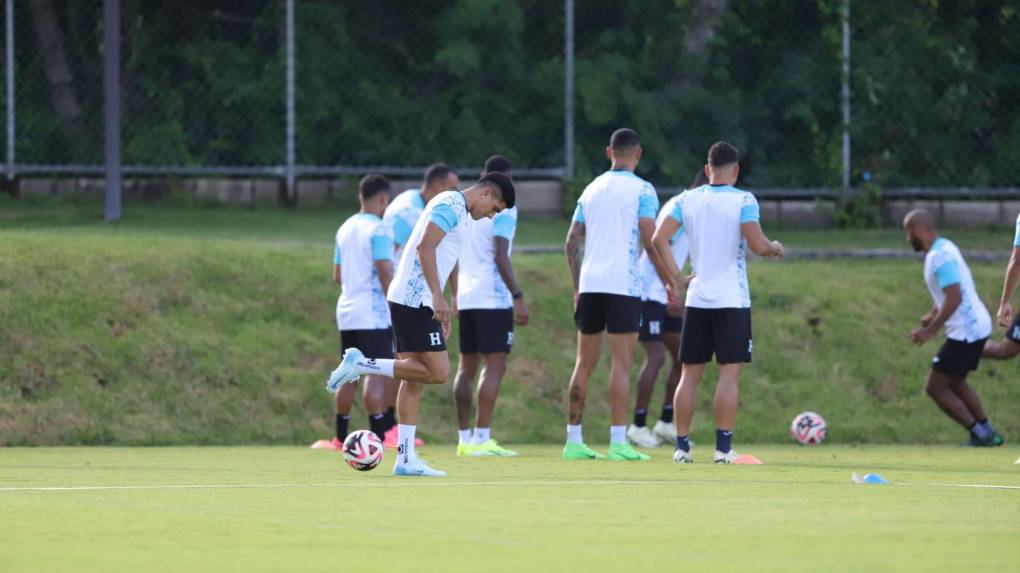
{"x":380,"y":366}
{"x":481,"y":435}
{"x":574,"y":434}
{"x":617,"y":434}
{"x":464,"y":436}
{"x":405,"y":441}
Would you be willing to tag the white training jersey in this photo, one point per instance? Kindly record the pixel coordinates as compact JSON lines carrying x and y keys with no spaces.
{"x":710,"y":216}
{"x":944,"y":266}
{"x":653,"y":289}
{"x":401,"y":216}
{"x":362,"y":240}
{"x":479,"y":284}
{"x":448,"y":210}
{"x":610,"y":208}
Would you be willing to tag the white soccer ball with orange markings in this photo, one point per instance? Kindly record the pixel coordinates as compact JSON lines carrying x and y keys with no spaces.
{"x":363,"y":450}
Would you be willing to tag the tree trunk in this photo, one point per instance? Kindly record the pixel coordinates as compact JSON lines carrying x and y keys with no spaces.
{"x":65,"y":102}
{"x":698,"y":34}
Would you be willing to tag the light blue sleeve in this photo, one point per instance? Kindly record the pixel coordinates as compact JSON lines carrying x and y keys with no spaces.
{"x":401,"y":230}
{"x":1016,"y":239}
{"x":444,"y":217}
{"x":382,"y":248}
{"x":749,"y":210}
{"x":948,"y":274}
{"x":648,"y":203}
{"x":678,"y":213}
{"x":504,"y":225}
{"x":579,"y":213}
{"x":336,"y":254}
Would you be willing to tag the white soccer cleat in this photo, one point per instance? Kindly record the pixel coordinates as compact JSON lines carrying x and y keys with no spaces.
{"x":682,"y":457}
{"x":642,"y":437}
{"x":416,"y":468}
{"x":664,"y":431}
{"x":347,"y":372}
{"x":727,"y":458}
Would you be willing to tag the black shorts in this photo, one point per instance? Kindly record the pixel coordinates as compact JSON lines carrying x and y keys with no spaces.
{"x":371,"y":343}
{"x":615,"y":313}
{"x":725,"y":332}
{"x":1013,"y":332}
{"x":957,"y":357}
{"x":655,"y":322}
{"x":415,"y":330}
{"x":486,"y":331}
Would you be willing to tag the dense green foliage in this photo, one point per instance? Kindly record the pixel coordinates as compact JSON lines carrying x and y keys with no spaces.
{"x":936,"y":85}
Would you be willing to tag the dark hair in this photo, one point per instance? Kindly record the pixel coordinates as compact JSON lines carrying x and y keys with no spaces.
{"x":497,"y":164}
{"x":699,"y":179}
{"x":372,"y":185}
{"x":722,"y":153}
{"x":437,"y":172}
{"x":497,"y":180}
{"x":624,"y":139}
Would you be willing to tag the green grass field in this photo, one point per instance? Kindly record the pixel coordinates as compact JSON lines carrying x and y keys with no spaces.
{"x":288,"y":508}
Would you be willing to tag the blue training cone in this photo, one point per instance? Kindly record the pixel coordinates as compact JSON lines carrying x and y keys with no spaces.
{"x":872,"y":479}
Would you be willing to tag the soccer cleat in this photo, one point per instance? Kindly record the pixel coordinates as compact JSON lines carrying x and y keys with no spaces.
{"x":625,"y":453}
{"x":642,"y":437}
{"x":416,"y":468}
{"x":464,"y":449}
{"x":489,"y":448}
{"x":664,"y":431}
{"x":727,"y":458}
{"x":347,"y":372}
{"x":992,"y":441}
{"x":682,"y":457}
{"x":390,"y":440}
{"x":576,"y":451}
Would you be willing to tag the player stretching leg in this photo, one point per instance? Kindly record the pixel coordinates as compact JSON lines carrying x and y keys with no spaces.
{"x":489,"y":302}
{"x":720,"y":223}
{"x":1010,"y":346}
{"x":661,"y":324}
{"x":968,"y":325}
{"x":615,"y":218}
{"x":401,"y":216}
{"x":363,"y":267}
{"x":420,"y":314}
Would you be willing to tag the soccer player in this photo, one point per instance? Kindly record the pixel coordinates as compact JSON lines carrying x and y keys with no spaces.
{"x":489,"y":303}
{"x":661,"y":324}
{"x":721,"y":222}
{"x":615,"y":217}
{"x":1010,"y":346}
{"x":363,"y":267}
{"x":968,"y":325}
{"x":401,"y":216}
{"x":420,"y":313}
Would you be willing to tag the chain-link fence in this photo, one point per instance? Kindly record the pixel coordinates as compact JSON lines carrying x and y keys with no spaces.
{"x":934,"y":87}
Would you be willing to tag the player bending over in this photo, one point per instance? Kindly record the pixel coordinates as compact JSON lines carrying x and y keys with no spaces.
{"x":420,"y":314}
{"x":968,"y":325}
{"x":1010,"y":346}
{"x":615,"y":218}
{"x":720,"y":223}
{"x":489,"y":302}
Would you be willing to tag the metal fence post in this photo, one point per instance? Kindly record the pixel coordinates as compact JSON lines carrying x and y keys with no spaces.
{"x":568,"y":91}
{"x":9,"y":34}
{"x":846,"y":96}
{"x":111,"y":106}
{"x":291,"y":191}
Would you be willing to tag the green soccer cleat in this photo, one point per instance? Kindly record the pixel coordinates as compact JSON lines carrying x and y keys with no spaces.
{"x":464,"y":449}
{"x":626,"y":453}
{"x":575,"y":451}
{"x":490,"y":448}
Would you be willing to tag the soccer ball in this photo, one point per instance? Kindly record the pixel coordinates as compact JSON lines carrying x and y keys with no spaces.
{"x":808,"y":428}
{"x":363,"y":450}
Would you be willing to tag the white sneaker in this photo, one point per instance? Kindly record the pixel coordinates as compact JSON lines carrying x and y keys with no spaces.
{"x":416,"y":468}
{"x":347,"y":372}
{"x":727,"y":458}
{"x":665,"y":432}
{"x":682,"y":457}
{"x":642,"y":437}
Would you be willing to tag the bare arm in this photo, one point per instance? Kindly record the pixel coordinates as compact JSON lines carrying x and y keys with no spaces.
{"x":646,"y":227}
{"x":953,"y":299}
{"x":506,"y":272}
{"x":454,"y":275}
{"x":660,"y":243}
{"x":336,"y":274}
{"x":758,"y":242}
{"x":384,"y":268}
{"x":1009,"y":287}
{"x":430,"y":268}
{"x":573,"y":249}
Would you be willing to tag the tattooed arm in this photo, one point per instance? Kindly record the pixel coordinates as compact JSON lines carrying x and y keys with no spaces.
{"x":573,"y":249}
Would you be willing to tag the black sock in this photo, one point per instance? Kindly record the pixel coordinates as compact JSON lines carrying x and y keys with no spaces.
{"x":683,"y":443}
{"x":641,"y":418}
{"x":341,"y":426}
{"x":377,"y":423}
{"x":391,"y":417}
{"x":723,"y":440}
{"x":667,"y":414}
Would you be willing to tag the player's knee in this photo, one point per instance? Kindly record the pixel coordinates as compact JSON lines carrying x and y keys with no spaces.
{"x":931,"y":388}
{"x":439,"y":374}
